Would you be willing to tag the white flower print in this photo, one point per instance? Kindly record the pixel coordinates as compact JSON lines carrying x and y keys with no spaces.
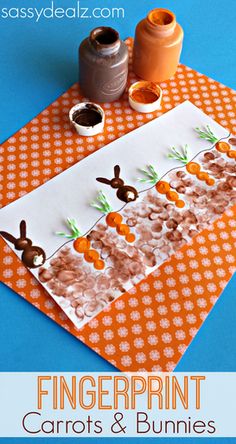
{"x":136,"y":329}
{"x":203,"y":250}
{"x":212,"y":237}
{"x":139,"y":343}
{"x":180,"y":335}
{"x":108,"y":335}
{"x":171,"y":282}
{"x":124,"y":346}
{"x":191,"y":253}
{"x":186,"y":292}
{"x":193,"y":264}
{"x":201,"y":239}
{"x":135,"y":315}
{"x":170,"y":366}
{"x":218,"y":260}
{"x":224,"y":235}
{"x":173,"y":294}
{"x":154,"y":355}
{"x":206,"y":262}
{"x":140,"y":357}
{"x":230,"y":258}
{"x":196,"y":277}
{"x":94,"y":338}
{"x":193,"y":331}
{"x":183,"y":278}
{"x":182,"y":348}
{"x":162,"y":310}
{"x":144,"y":287}
{"x":198,"y":289}
{"x":160,"y":297}
{"x":120,"y":305}
{"x":148,"y":313}
{"x":133,"y":302}
{"x":177,"y":321}
{"x":35,"y":294}
{"x":166,"y":338}
{"x":211,"y":287}
{"x":175,"y":307}
{"x":157,"y":285}
{"x":188,"y":305}
{"x":215,"y":248}
{"x":227,"y":247}
{"x":179,"y":255}
{"x":126,"y":361}
{"x":121,"y":318}
{"x":181,"y":267}
{"x":146,"y":300}
{"x":122,"y":332}
{"x":220,"y":272}
{"x":156,"y":273}
{"x":157,"y":368}
{"x":191,"y":318}
{"x":201,"y":302}
{"x":107,"y":320}
{"x":152,"y":339}
{"x":208,"y":274}
{"x":168,"y":352}
{"x":168,"y":269}
{"x":164,"y":323}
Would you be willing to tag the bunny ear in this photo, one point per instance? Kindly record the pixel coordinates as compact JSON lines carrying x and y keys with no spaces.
{"x":103,"y":180}
{"x":8,"y":237}
{"x":23,"y":229}
{"x":117,"y":171}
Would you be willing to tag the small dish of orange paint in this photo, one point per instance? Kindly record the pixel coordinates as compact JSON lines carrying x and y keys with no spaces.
{"x":145,"y":97}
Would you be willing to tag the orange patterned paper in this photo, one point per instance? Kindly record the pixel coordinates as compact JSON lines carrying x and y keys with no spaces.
{"x":151,"y":327}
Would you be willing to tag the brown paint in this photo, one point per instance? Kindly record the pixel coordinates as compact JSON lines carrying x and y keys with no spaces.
{"x":157,"y":46}
{"x":103,"y":65}
{"x":89,"y":116}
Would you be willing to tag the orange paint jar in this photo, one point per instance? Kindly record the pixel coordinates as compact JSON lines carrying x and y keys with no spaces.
{"x":157,"y":46}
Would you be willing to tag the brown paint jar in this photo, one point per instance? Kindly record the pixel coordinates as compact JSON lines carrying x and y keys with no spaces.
{"x":103,"y":65}
{"x":157,"y":46}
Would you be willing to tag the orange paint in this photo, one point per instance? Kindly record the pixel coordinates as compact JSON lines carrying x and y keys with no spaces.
{"x":113,"y":219}
{"x":180,"y":204}
{"x":202,"y":175}
{"x":222,"y":147}
{"x":122,"y":229}
{"x":172,"y":196}
{"x":232,"y":154}
{"x":99,"y":264}
{"x":130,"y":237}
{"x":210,"y":182}
{"x":144,"y":95}
{"x":91,"y":256}
{"x":157,"y":46}
{"x":162,"y":187}
{"x":81,"y":245}
{"x":193,"y":168}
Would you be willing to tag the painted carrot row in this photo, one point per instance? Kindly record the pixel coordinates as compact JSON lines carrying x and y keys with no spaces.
{"x":114,"y":220}
{"x":224,"y":147}
{"x":164,"y":188}
{"x":82,"y":245}
{"x":195,"y":169}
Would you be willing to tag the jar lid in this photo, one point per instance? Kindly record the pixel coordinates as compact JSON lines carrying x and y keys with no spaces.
{"x":145,"y":97}
{"x":87,"y":118}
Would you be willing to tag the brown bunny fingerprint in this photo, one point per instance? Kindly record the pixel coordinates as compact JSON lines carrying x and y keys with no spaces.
{"x":125,"y":193}
{"x":32,"y":256}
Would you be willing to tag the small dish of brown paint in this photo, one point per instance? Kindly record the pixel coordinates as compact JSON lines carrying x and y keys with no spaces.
{"x":145,"y":97}
{"x":87,"y":118}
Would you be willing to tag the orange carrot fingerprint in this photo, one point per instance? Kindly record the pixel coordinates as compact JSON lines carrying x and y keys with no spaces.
{"x":113,"y":219}
{"x":99,"y":264}
{"x":91,"y":256}
{"x":210,"y":181}
{"x":172,"y":195}
{"x":193,"y":167}
{"x":122,"y":229}
{"x":130,"y":237}
{"x":232,"y":154}
{"x":162,"y":187}
{"x":222,"y":147}
{"x":202,"y":175}
{"x":180,"y":203}
{"x":81,"y":245}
